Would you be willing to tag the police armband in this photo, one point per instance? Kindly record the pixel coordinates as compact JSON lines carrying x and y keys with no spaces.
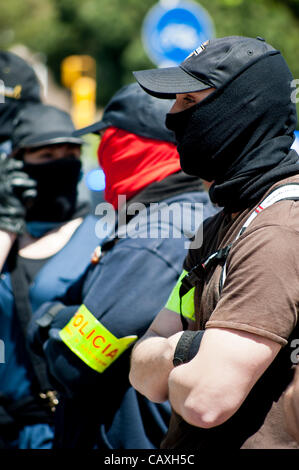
{"x":90,"y":340}
{"x":187,"y":304}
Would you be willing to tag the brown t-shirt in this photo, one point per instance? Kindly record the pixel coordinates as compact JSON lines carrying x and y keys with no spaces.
{"x":260,"y":295}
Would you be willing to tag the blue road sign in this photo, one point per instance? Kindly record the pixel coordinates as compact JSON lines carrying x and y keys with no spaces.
{"x":172,"y":29}
{"x":296,"y":142}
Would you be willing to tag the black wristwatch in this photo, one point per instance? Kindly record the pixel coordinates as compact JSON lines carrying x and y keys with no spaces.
{"x":187,"y":347}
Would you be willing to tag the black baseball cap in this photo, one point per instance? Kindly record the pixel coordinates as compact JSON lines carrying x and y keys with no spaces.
{"x":18,"y":85}
{"x":38,"y":125}
{"x":135,"y":111}
{"x":212,"y":65}
{"x":18,"y":79}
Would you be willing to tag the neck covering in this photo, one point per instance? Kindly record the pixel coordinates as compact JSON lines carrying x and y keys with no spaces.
{"x":240,"y":135}
{"x":132,"y":162}
{"x":56,"y":189}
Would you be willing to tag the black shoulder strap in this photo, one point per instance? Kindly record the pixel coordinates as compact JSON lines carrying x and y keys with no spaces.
{"x":24,"y":314}
{"x":288,"y":191}
{"x":198,"y":273}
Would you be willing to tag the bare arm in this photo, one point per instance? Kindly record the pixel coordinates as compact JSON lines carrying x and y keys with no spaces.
{"x":151,"y":361}
{"x":209,"y":389}
{"x":291,"y":407}
{"x":6,"y":241}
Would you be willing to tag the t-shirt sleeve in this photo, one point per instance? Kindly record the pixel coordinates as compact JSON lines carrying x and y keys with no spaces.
{"x":261,"y":291}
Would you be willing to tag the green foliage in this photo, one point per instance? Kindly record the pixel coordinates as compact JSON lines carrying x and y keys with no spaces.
{"x":109,"y":30}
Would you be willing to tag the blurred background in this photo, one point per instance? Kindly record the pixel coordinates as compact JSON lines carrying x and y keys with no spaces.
{"x":84,"y":51}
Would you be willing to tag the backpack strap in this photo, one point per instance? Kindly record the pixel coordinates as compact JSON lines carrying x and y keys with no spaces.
{"x":24,"y":314}
{"x":289,"y":191}
{"x":198,"y":273}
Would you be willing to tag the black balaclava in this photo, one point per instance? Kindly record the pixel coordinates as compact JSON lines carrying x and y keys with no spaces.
{"x":240,"y":135}
{"x":56,"y":189}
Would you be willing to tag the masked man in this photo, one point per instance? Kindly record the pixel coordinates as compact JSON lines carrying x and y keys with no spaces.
{"x":40,"y":214}
{"x":87,"y":346}
{"x":234,"y":122}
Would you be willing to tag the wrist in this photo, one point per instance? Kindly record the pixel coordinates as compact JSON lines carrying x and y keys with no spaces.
{"x":7,"y":236}
{"x":187,"y":347}
{"x":7,"y":240}
{"x":167,"y":356}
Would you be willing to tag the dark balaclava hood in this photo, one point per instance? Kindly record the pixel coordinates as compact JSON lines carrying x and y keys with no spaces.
{"x":240,"y":135}
{"x":39,"y":126}
{"x":57,"y":184}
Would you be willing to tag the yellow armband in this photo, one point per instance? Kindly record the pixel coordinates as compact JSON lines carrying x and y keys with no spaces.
{"x":173,"y":302}
{"x":92,"y":342}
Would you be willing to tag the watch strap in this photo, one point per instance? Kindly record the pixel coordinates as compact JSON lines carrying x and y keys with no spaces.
{"x":182,"y":350}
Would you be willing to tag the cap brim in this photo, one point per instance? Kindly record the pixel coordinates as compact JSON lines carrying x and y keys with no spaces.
{"x":92,"y":129}
{"x":168,"y":82}
{"x":57,"y":140}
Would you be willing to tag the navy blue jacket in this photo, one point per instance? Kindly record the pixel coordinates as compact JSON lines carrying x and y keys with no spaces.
{"x":51,"y":282}
{"x":125,"y":292}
